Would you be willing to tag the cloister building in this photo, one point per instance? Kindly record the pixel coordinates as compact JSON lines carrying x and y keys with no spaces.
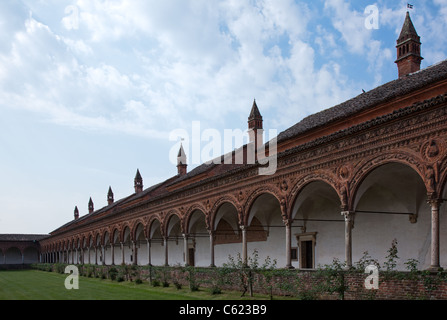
{"x":349,"y":179}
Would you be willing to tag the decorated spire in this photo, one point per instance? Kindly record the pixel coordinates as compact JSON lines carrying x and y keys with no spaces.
{"x":91,"y":207}
{"x":255,"y":127}
{"x":138,"y":182}
{"x":181,"y":161}
{"x":408,"y":49}
{"x":255,"y":118}
{"x":110,"y":197}
{"x":76,"y":213}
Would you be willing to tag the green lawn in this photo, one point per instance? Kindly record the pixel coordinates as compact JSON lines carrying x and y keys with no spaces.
{"x":41,"y":285}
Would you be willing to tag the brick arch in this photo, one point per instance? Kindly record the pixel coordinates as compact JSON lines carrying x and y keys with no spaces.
{"x":304,"y":181}
{"x":104,"y":232}
{"x":369,"y":165}
{"x":100,"y":236}
{"x":151,"y":221}
{"x":113,"y":229}
{"x":84,"y":239}
{"x":123,"y":230}
{"x":167,"y":219}
{"x":269,"y":189}
{"x":77,"y":242}
{"x":187,"y":217}
{"x":90,"y":239}
{"x":67,"y":244}
{"x":221,"y":201}
{"x":442,"y":184}
{"x":135,"y":225}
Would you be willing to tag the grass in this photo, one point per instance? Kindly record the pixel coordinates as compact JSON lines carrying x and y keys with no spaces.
{"x":41,"y":285}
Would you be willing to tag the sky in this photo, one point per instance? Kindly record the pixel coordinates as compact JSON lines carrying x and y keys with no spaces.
{"x":91,"y":91}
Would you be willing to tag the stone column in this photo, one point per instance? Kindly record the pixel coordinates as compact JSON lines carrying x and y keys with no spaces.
{"x":244,"y":245}
{"x":288,"y":224}
{"x":212,"y":263}
{"x":435,"y":256}
{"x":165,"y":240}
{"x":112,"y":247}
{"x":134,"y":250}
{"x":103,"y":260}
{"x":149,"y":252}
{"x":122,"y":253}
{"x":185,"y":249}
{"x":349,"y":224}
{"x":96,"y":255}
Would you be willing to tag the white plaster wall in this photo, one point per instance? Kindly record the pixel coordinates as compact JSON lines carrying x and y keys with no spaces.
{"x":157,"y":253}
{"x":175,"y":252}
{"x":202,"y":251}
{"x":222,"y":251}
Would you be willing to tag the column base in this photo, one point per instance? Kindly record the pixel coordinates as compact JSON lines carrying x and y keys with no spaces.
{"x":434,"y":269}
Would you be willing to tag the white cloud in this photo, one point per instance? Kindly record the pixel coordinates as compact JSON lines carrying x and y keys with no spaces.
{"x":148,"y":67}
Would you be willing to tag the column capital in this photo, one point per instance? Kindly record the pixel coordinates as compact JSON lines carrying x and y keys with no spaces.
{"x":287,"y":222}
{"x":349,"y":215}
{"x":434,"y":201}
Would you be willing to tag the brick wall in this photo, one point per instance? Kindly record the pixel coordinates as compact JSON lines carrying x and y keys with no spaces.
{"x":300,"y":284}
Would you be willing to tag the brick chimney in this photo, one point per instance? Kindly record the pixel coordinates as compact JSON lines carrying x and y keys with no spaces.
{"x":182,"y":162}
{"x":408,"y":49}
{"x":138,"y":182}
{"x":110,"y":199}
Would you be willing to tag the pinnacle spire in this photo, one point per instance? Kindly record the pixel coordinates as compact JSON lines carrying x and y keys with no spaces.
{"x":110,"y":197}
{"x":181,"y":157}
{"x":182,"y":161}
{"x":255,"y":114}
{"x":408,"y":30}
{"x":91,"y":207}
{"x":408,"y":49}
{"x":138,"y":182}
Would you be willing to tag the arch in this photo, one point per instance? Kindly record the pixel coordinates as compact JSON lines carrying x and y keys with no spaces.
{"x":115,"y":235}
{"x":316,"y":212}
{"x":390,"y":203}
{"x":99,"y":240}
{"x":191,"y":214}
{"x":153,"y":226}
{"x":123,"y":231}
{"x":441,"y":187}
{"x":369,"y":165}
{"x":217,"y":205}
{"x":253,"y":198}
{"x":106,"y":237}
{"x":198,"y":238}
{"x":126,"y":233}
{"x":140,"y":232}
{"x":226,"y":208}
{"x":303,"y":182}
{"x":135,"y":227}
{"x":167,"y":226}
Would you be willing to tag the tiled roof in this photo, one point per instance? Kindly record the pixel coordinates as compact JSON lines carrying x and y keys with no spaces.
{"x":22,"y":237}
{"x":368,"y":100}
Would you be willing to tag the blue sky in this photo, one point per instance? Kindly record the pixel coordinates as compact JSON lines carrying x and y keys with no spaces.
{"x":91,"y":90}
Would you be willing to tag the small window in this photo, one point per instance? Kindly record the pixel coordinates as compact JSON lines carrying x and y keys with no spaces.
{"x":294,"y":254}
